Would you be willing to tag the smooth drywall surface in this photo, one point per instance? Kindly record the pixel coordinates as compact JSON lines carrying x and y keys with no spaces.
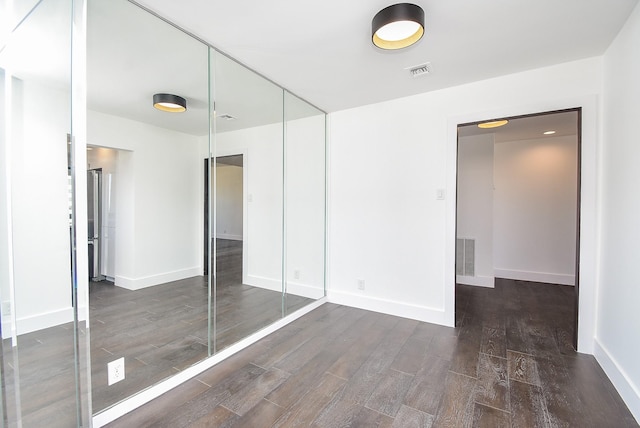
{"x":305,"y":206}
{"x":535,"y":209}
{"x":387,"y":162}
{"x":619,"y":294}
{"x":40,"y":206}
{"x":159,"y":200}
{"x":228,"y":201}
{"x":263,"y":161}
{"x":475,"y":204}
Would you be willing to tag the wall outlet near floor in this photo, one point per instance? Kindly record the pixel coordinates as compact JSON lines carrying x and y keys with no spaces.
{"x":361,"y":284}
{"x":296,"y":274}
{"x":115,"y":371}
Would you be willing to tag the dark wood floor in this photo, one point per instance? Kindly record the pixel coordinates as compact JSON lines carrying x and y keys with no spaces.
{"x":158,"y":330}
{"x":509,"y":363}
{"x":163,"y":329}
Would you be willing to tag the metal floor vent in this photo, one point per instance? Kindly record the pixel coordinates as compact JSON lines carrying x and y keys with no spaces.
{"x":465,"y":257}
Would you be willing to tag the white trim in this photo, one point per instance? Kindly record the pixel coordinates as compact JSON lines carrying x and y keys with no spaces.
{"x":162,"y":278}
{"x":229,"y":236}
{"x":551,"y":278}
{"x":296,"y":288}
{"x":38,"y":322}
{"x":263,"y":282}
{"x":477,"y":281}
{"x":588,"y":204}
{"x":305,"y":290}
{"x":144,"y":396}
{"x":629,"y":392}
{"x":399,"y":309}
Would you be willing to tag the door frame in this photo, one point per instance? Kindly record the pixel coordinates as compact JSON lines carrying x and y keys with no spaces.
{"x":589,"y":209}
{"x":578,"y":160}
{"x":245,"y":209}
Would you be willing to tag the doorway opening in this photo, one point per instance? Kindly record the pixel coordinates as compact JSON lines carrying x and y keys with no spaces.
{"x":228,"y":183}
{"x":518,"y":206}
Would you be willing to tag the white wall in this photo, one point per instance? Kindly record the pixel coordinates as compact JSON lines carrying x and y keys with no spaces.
{"x":387,"y":162}
{"x":229,"y":201}
{"x":475,"y":204}
{"x":263,"y":232}
{"x":305,"y":206}
{"x":535,"y":212}
{"x":262,"y":241}
{"x":40,"y":207}
{"x":617,"y":347}
{"x":159,"y":200}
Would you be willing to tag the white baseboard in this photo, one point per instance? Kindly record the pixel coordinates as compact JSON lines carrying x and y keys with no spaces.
{"x":400,"y":309}
{"x":146,"y":395}
{"x":550,"y":278}
{"x":629,"y":392}
{"x":229,"y":236}
{"x":305,"y":290}
{"x":297,"y":288}
{"x":264,"y":282}
{"x":162,"y":278}
{"x":37,"y":322}
{"x":478,"y":281}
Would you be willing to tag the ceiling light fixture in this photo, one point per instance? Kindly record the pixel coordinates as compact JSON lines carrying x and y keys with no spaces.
{"x":397,"y":26}
{"x":169,"y":102}
{"x":549,"y":132}
{"x":493,"y":124}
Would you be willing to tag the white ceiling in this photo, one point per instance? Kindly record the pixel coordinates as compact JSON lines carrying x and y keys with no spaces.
{"x":322,"y":52}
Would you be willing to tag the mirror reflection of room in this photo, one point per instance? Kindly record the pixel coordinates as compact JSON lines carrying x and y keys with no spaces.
{"x":172,"y":266}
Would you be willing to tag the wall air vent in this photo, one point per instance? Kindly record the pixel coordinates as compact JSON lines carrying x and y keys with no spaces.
{"x":420,"y":70}
{"x":465,"y":257}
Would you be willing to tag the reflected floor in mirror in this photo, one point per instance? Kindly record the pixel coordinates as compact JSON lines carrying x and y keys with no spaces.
{"x":163,"y":329}
{"x":158,"y":330}
{"x":46,"y":389}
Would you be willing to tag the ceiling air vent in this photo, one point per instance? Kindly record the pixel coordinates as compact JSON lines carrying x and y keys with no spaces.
{"x":226,"y":117}
{"x":420,"y":70}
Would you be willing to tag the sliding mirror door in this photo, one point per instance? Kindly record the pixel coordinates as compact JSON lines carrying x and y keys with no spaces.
{"x":149,"y":306}
{"x":304,"y":206}
{"x":247,"y":184}
{"x":42,"y":323}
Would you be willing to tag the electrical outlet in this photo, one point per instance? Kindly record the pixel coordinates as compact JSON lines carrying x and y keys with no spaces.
{"x":115,"y":371}
{"x":6,"y":308}
{"x":361,"y":284}
{"x":296,"y":274}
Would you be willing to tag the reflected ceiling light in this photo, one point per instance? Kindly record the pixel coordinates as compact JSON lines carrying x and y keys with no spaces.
{"x":397,"y":26}
{"x":549,"y":132}
{"x":493,"y":124}
{"x":169,"y":102}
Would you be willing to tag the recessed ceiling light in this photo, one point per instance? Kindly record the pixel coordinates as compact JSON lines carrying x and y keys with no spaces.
{"x":549,"y":132}
{"x":493,"y":124}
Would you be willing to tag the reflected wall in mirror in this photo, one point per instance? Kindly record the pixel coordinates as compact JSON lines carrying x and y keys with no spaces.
{"x":248,"y":125}
{"x":151,"y":308}
{"x":305,"y":201}
{"x":151,"y":301}
{"x":40,"y":358}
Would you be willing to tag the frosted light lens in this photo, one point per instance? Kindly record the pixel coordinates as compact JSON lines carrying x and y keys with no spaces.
{"x":399,"y":30}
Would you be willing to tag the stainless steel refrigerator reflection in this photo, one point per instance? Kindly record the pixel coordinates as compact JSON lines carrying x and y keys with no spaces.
{"x":94,"y":217}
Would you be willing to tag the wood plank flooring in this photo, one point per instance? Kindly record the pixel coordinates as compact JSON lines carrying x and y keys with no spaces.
{"x":163,"y":329}
{"x":158,"y":330}
{"x":508,"y":363}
